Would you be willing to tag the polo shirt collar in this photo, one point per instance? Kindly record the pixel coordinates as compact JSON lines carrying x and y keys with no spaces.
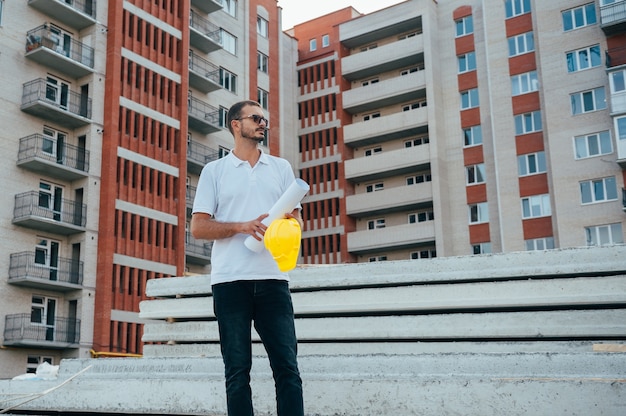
{"x":264,"y":159}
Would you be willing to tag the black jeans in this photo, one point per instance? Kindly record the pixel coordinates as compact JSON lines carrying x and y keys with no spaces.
{"x":268,"y":304}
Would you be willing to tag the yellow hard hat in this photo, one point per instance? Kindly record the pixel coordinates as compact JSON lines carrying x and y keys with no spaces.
{"x":282,"y":240}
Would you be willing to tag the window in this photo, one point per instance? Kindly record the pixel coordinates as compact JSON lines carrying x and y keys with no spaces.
{"x":464,"y":26}
{"x":481,"y":248}
{"x":423,"y":216}
{"x":263,"y":98}
{"x":313,"y":45}
{"x":593,"y":145}
{"x":368,"y":47}
{"x":528,"y":123}
{"x":473,"y":136}
{"x":587,"y":101}
{"x":33,"y":361}
{"x":373,"y":151}
{"x":51,"y":198}
{"x":229,"y":42}
{"x":376,"y":224}
{"x":536,"y":206}
{"x":222,"y":152}
{"x":369,"y":82}
{"x":325,"y":41}
{"x":467,"y":62}
{"x":531,"y":164}
{"x":583,"y":58}
{"x":1,"y":8}
{"x":469,"y":99}
{"x":537,"y":244}
{"x":521,"y":44}
{"x":418,"y":141}
{"x":262,"y":26}
{"x":228,"y":80}
{"x":419,"y":178}
{"x":603,"y":235}
{"x":230,"y":7}
{"x":377,"y":258}
{"x":262,"y":62}
{"x":43,"y":314}
{"x":374,"y":187}
{"x":223,"y":117}
{"x":620,"y":127}
{"x":475,"y":174}
{"x":516,"y":7}
{"x":413,"y":106}
{"x":618,"y":81}
{"x":47,"y":258}
{"x":409,"y":71}
{"x":579,"y":17}
{"x":423,"y":254}
{"x":598,"y":190}
{"x":371,"y":116}
{"x":57,"y":92}
{"x":524,"y":83}
{"x":478,"y":213}
{"x":53,"y":144}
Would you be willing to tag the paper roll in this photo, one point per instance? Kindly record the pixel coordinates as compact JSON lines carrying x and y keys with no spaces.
{"x":286,"y":203}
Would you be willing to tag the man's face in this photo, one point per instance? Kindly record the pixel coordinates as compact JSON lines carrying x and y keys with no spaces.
{"x":253,"y":123}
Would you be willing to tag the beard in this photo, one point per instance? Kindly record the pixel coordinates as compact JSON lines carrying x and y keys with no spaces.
{"x":257,"y":135}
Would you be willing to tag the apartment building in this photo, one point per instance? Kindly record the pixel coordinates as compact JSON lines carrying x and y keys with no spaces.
{"x":109,"y":112}
{"x":445,"y":128}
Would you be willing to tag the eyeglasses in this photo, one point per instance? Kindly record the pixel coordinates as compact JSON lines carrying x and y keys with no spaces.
{"x":257,"y":119}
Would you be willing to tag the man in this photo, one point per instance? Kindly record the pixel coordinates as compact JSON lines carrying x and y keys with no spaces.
{"x":233,"y":196}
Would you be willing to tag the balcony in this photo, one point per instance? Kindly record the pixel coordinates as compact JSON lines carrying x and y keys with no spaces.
{"x":203,"y":117}
{"x":68,"y":56}
{"x":78,"y":14}
{"x":391,"y":238}
{"x":41,"y":154}
{"x":615,"y":56}
{"x":28,"y":269}
{"x":203,"y":75}
{"x":199,"y":155}
{"x":56,"y":103}
{"x":393,"y":56}
{"x":52,"y":333}
{"x":386,"y":128}
{"x":204,"y":35}
{"x":613,"y":17}
{"x":387,"y":201}
{"x":387,"y":164}
{"x":394,"y":91}
{"x":207,"y":6}
{"x":624,"y":198}
{"x":197,"y":251}
{"x":62,"y":216}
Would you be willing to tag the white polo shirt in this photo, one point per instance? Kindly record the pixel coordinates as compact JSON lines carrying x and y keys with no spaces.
{"x":232,"y":191}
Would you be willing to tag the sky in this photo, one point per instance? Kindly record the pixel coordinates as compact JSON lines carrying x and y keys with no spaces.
{"x":298,"y":11}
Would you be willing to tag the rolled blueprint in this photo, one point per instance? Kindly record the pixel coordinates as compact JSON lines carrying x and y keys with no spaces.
{"x":286,"y":203}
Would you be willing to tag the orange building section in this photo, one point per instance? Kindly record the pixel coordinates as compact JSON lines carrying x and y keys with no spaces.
{"x":320,"y":69}
{"x":128,"y":234}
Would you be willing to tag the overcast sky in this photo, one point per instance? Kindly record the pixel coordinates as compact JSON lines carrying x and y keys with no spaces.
{"x":298,"y":11}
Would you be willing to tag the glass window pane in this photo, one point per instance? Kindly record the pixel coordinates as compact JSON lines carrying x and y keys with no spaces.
{"x":567,"y":20}
{"x":595,"y":56}
{"x":605,"y":142}
{"x":611,"y":188}
{"x":593,"y":145}
{"x":590,"y":12}
{"x":585,"y":192}
{"x":600,"y":98}
{"x":603,"y":235}
{"x":598,"y":190}
{"x":616,"y":234}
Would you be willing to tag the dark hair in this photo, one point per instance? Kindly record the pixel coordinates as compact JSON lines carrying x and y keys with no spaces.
{"x":234,"y":112}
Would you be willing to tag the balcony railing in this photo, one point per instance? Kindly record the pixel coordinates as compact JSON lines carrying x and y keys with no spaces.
{"x":203,"y":75}
{"x":30,"y":269}
{"x":58,"y":52}
{"x":199,"y":155}
{"x":197,"y":251}
{"x":78,"y":14}
{"x":41,"y":154}
{"x":203,"y":117}
{"x":613,"y":17}
{"x":33,"y":210}
{"x":204,"y":35}
{"x":190,"y":195}
{"x":207,"y":6}
{"x":52,"y":102}
{"x":624,"y":198}
{"x":50,"y":333}
{"x":616,"y":56}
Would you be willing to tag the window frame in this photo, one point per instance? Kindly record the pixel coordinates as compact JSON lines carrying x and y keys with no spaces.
{"x":466,"y":62}
{"x":584,"y":146}
{"x":573,"y":59}
{"x":522,"y":123}
{"x":464,"y":26}
{"x":262,"y":62}
{"x":263,"y":98}
{"x":595,"y":191}
{"x":525,"y":162}
{"x":470,"y":99}
{"x":312,"y":45}
{"x":470,"y":133}
{"x":530,"y":203}
{"x":478,"y":213}
{"x":547,"y":243}
{"x":580,"y":99}
{"x":611,"y":229}
{"x":570,"y":14}
{"x":527,"y":40}
{"x":231,"y":46}
{"x":524,"y":83}
{"x":514,"y":8}
{"x":262,"y":27}
{"x":228,"y":80}
{"x":475,"y":174}
{"x":325,"y":41}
